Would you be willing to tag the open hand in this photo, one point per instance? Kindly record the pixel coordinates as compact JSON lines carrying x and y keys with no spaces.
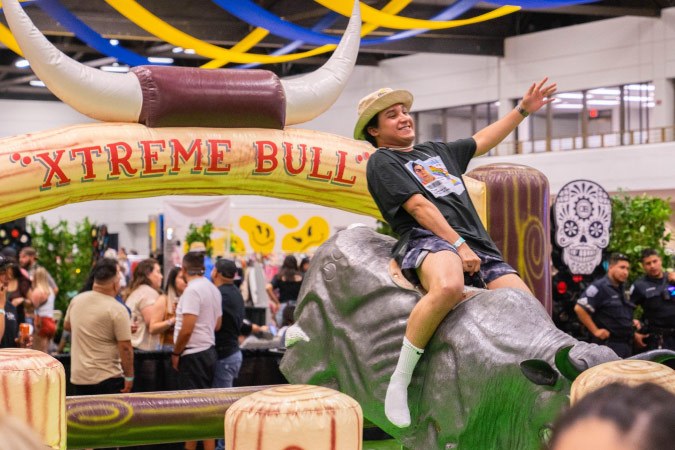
{"x":640,"y":340}
{"x":538,"y":95}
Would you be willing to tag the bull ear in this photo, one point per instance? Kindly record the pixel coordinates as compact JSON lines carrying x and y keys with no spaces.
{"x":539,"y":372}
{"x":665,"y":357}
{"x":564,"y":365}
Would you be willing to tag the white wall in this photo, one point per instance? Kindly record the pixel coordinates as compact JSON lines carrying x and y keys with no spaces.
{"x":26,"y":116}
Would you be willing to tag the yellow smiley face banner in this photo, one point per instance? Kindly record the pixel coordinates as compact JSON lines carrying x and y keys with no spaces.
{"x":40,"y":171}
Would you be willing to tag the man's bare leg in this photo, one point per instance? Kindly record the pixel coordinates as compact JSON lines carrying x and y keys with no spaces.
{"x":441,"y":275}
{"x":509,"y":280}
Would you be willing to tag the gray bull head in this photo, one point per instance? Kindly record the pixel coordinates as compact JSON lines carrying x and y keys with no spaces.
{"x":468,"y":390}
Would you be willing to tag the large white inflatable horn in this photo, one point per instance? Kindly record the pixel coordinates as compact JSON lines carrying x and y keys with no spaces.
{"x":115,"y":97}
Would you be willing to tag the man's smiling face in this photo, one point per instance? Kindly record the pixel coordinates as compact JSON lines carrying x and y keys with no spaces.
{"x":395,"y":127}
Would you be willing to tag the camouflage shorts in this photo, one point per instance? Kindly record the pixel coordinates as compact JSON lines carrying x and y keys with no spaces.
{"x":421,"y":242}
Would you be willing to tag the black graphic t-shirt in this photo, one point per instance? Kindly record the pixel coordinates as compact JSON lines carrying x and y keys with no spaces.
{"x":432,"y":169}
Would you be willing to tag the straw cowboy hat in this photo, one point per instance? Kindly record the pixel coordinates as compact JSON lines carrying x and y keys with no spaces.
{"x":379,"y":100}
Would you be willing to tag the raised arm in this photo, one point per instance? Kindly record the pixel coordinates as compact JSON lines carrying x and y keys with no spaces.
{"x":537,"y":96}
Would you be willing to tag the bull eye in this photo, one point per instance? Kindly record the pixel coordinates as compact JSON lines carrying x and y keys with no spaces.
{"x":571,"y":228}
{"x":596,"y":229}
{"x":329,"y":271}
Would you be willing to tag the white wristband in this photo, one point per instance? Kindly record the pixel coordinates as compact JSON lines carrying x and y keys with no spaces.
{"x":458,"y":242}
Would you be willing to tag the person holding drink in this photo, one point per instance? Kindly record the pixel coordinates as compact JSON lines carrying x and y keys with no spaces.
{"x":12,"y":334}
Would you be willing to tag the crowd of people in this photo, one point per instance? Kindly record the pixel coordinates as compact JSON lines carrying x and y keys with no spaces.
{"x":200,"y":321}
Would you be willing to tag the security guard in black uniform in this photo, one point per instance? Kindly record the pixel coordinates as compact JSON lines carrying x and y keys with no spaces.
{"x":656,"y":293}
{"x":605,"y":310}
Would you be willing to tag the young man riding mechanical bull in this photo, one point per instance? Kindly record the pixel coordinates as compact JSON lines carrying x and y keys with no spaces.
{"x":442,"y":236}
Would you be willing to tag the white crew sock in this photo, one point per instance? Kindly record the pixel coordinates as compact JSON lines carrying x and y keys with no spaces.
{"x":396,"y":400}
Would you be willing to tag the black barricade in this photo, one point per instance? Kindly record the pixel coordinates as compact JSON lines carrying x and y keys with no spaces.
{"x":153,"y":371}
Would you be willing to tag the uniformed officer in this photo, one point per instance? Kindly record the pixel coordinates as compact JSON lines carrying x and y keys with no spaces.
{"x":605,"y":310}
{"x":655,"y":292}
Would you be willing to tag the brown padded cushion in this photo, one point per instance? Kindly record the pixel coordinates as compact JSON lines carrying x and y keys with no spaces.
{"x":220,"y":98}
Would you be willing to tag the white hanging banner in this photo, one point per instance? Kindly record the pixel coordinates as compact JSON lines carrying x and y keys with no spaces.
{"x":179,"y":214}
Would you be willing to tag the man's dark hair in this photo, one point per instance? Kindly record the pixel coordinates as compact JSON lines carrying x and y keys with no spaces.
{"x":616,"y":257}
{"x":646,"y":253}
{"x":30,"y":251}
{"x":193,"y":263}
{"x":647,"y":410}
{"x":373,"y":122}
{"x":104,"y":270}
{"x":226,"y":267}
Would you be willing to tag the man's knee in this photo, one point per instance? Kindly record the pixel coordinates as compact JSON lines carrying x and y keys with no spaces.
{"x":447,"y":292}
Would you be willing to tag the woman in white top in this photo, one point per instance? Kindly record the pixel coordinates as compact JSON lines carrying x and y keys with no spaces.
{"x":42,"y":297}
{"x":144,"y":292}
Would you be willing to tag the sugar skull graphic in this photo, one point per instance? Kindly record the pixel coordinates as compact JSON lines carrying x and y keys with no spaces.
{"x":583,"y":215}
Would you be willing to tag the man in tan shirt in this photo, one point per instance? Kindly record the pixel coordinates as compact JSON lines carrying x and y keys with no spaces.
{"x":102,"y":359}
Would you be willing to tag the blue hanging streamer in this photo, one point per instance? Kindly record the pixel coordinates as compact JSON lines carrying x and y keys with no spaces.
{"x":457,"y":9}
{"x":255,"y":15}
{"x":83,"y":32}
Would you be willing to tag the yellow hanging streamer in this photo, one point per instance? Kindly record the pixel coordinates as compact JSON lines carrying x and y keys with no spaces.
{"x":237,"y":54}
{"x":380,"y":18}
{"x":7,"y":38}
{"x":259,"y":34}
{"x":154,"y":25}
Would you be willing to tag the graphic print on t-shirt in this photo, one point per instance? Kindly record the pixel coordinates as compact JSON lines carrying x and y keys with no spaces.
{"x":435,"y":177}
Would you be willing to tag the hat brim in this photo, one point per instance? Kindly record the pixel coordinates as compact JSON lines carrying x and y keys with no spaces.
{"x":382,"y":103}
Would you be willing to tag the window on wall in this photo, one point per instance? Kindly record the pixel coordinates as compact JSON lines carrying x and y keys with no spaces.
{"x":638,"y":111}
{"x":567,"y":120}
{"x":429,"y":126}
{"x":599,"y":117}
{"x":604,"y":116}
{"x":458,"y":122}
{"x":486,"y":113}
{"x":534,"y":134}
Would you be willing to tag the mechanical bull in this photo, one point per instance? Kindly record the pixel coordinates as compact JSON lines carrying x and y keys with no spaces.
{"x":487,"y":378}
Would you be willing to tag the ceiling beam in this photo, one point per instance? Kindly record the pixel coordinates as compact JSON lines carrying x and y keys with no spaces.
{"x":602,"y":11}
